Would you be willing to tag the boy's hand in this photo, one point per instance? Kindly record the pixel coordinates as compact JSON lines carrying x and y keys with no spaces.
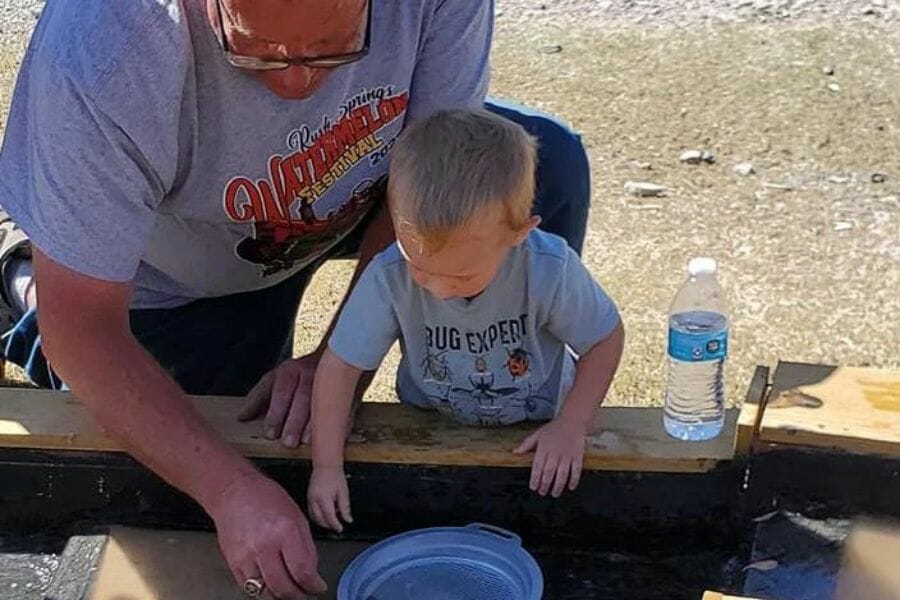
{"x":559,"y":455}
{"x":328,"y":497}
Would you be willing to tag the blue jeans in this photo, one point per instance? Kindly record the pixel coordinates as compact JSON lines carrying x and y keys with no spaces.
{"x":211,"y":346}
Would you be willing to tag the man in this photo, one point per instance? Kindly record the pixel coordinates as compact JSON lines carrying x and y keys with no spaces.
{"x":181,"y":168}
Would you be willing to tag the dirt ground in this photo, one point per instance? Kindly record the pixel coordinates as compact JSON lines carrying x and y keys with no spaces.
{"x":809,"y":245}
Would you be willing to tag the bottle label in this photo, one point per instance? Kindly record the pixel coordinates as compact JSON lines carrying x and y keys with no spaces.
{"x":698,"y":347}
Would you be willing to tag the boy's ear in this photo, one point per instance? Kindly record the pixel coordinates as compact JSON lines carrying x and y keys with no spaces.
{"x":527,"y":228}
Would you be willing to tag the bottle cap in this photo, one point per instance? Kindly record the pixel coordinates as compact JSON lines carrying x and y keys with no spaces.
{"x":702,"y":266}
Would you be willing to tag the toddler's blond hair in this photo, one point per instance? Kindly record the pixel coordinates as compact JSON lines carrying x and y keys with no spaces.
{"x":446,"y":167}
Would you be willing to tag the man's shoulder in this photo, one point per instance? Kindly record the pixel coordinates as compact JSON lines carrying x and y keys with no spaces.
{"x":89,"y":40}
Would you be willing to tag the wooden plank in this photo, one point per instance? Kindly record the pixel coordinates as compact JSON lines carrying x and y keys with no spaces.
{"x":751,"y":412}
{"x":144,"y":564}
{"x":869,"y":571}
{"x":718,"y":596}
{"x":628,"y":439}
{"x":850,"y":409}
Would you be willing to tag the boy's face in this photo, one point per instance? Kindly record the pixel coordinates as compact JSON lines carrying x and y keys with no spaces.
{"x":470,"y":259}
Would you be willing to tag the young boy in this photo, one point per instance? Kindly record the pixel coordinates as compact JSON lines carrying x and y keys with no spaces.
{"x":485,"y":306}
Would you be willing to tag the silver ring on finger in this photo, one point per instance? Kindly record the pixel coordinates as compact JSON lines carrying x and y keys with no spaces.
{"x":254,"y":587}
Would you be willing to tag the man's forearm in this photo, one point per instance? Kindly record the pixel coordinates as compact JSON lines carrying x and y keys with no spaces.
{"x":140,"y":406}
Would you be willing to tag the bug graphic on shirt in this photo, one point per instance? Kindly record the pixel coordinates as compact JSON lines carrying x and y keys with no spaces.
{"x":434,"y":367}
{"x":518,"y":362}
{"x":482,"y":382}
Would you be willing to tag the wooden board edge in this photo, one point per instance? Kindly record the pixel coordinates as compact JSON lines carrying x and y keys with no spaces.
{"x":779,"y":438}
{"x":751,"y":412}
{"x":430,"y":457}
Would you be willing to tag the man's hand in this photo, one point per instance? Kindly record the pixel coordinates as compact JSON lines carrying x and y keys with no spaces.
{"x":559,"y":455}
{"x":263,"y":535}
{"x":328,"y":497}
{"x":286,"y":391}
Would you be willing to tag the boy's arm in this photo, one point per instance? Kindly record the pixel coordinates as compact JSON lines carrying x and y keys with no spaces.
{"x":365,"y":330}
{"x":332,"y":400}
{"x":594,"y":373}
{"x":559,"y":445}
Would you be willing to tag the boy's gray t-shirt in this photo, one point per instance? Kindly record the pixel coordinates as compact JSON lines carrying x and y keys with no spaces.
{"x":499,"y":358}
{"x":134,"y":151}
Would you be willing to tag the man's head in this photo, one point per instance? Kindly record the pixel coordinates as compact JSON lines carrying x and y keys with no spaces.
{"x":461,"y":189}
{"x":289,"y":30}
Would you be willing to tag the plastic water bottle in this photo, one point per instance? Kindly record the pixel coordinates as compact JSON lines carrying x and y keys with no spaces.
{"x":698,"y":346}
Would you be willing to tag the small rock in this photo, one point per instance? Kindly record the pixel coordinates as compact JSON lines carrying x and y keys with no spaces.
{"x":644,"y":188}
{"x":744,"y":169}
{"x":683,"y":112}
{"x":834,"y":87}
{"x":691,"y":157}
{"x":879,"y":177}
{"x":781,"y":187}
{"x":828,"y":70}
{"x":708,"y":157}
{"x":838,"y":179}
{"x":843,"y":226}
{"x":552,"y":49}
{"x":642,"y":164}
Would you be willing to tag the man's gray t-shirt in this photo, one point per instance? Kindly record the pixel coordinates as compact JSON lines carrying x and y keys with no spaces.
{"x":134,"y":151}
{"x":499,"y":358}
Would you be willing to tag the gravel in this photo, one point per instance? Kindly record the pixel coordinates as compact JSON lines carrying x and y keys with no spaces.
{"x":679,"y":13}
{"x":17,"y":19}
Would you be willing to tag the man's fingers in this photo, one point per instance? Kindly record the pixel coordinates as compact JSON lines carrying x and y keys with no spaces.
{"x":279,"y":402}
{"x":257,"y":399}
{"x":278,"y":580}
{"x":562,"y":477}
{"x":297,"y":418}
{"x":302,"y":563}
